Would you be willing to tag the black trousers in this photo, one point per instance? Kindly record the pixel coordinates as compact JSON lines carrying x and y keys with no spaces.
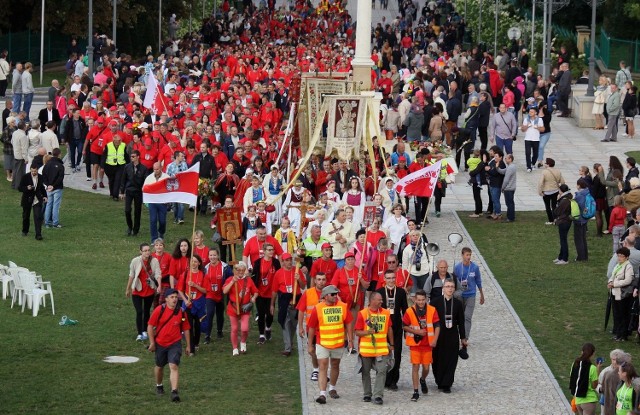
{"x":550,"y":203}
{"x":477,"y":198}
{"x":265,"y":318}
{"x":143,"y":311}
{"x":580,"y":240}
{"x":114,"y":173}
{"x":482,"y":132}
{"x":37,"y":218}
{"x":421,"y":204}
{"x":215,"y":308}
{"x":195,"y":331}
{"x":394,"y":374}
{"x":134,"y":198}
{"x":3,"y":88}
{"x":621,"y":316}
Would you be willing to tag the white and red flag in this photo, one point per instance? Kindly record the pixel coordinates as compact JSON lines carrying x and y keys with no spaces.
{"x":154,"y":97}
{"x":183,"y":188}
{"x":420,"y":183}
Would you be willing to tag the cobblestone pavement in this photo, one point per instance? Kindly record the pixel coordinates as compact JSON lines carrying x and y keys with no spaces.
{"x":504,"y":374}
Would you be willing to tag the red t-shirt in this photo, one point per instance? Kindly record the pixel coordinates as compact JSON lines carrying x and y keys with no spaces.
{"x":213,"y":280}
{"x":346,"y":281}
{"x":374,"y":237}
{"x":146,"y":291}
{"x":284,"y":280}
{"x":148,"y":157}
{"x":203,"y":253}
{"x":171,"y":326}
{"x":178,"y":268}
{"x":402,"y":275}
{"x":192,"y":292}
{"x":165,"y":264}
{"x":253,"y":248}
{"x":266,"y":277}
{"x":242,"y":291}
{"x":327,"y":267}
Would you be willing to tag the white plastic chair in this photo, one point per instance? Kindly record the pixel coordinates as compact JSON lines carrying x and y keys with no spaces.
{"x":17,"y":290}
{"x":7,"y":281}
{"x":32,"y":291}
{"x":12,"y":265}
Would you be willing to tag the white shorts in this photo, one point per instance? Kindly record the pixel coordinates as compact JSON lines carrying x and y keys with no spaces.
{"x":324,"y":353}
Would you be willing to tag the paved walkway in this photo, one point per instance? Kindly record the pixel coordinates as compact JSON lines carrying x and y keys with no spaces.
{"x":505,"y":373}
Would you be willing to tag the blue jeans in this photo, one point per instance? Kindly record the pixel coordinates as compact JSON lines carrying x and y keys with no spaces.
{"x":178,"y":211}
{"x":26,"y":105}
{"x":511,"y":206}
{"x":544,"y":138}
{"x":52,"y":211}
{"x":75,"y":152}
{"x":495,"y":198}
{"x":505,"y":144}
{"x":17,"y":101}
{"x":157,"y":220}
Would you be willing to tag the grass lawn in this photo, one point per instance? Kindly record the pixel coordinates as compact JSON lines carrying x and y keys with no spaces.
{"x":634,"y":154}
{"x":561,"y":307}
{"x":52,"y":369}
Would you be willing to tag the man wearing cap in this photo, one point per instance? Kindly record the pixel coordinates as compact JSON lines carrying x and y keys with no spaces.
{"x":394,"y":300}
{"x":157,"y":211}
{"x":166,"y":327}
{"x":114,"y":159}
{"x":96,"y":141}
{"x":374,"y":329}
{"x":325,"y":264}
{"x":341,"y":234}
{"x":326,"y":327}
{"x":148,"y":154}
{"x":308,"y":301}
{"x":207,"y":172}
{"x":131,"y":191}
{"x":287,"y":284}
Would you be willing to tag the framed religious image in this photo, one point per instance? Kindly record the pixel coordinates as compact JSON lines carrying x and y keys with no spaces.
{"x":230,"y":223}
{"x":370,"y":212}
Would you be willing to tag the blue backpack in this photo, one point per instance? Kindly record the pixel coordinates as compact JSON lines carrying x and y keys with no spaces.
{"x":589,"y":209}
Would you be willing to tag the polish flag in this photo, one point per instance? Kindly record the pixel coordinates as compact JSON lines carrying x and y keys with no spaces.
{"x":183,"y":188}
{"x":154,"y":97}
{"x":420,"y":183}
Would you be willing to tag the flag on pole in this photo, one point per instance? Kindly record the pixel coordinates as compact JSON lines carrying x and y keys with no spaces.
{"x":420,"y":183}
{"x":183,"y":188}
{"x":152,"y":91}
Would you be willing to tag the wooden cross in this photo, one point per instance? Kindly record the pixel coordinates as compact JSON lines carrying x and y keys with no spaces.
{"x":231,"y":234}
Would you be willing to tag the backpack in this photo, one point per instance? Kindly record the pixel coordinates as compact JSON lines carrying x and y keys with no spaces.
{"x":575,"y":210}
{"x":589,"y":208}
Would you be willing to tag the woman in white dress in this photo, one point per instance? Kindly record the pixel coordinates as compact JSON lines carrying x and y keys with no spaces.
{"x":396,"y":226}
{"x":355,"y":198}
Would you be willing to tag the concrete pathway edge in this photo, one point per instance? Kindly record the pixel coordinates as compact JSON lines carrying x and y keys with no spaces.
{"x":480,"y":258}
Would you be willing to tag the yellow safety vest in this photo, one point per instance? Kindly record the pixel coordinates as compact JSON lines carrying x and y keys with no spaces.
{"x":331,"y":324}
{"x":372,"y":345}
{"x":415,"y":324}
{"x":115,"y":157}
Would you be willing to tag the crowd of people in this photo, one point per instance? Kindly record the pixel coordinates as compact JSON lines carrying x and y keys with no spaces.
{"x":314,"y":260}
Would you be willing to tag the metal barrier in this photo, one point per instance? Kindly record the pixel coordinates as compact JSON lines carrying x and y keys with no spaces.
{"x":611,"y":51}
{"x":25,"y":46}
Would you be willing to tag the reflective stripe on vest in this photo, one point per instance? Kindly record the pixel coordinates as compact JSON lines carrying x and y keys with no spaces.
{"x":312,"y":296}
{"x":115,"y":157}
{"x":415,"y":324}
{"x":375,"y":344}
{"x":331,"y":324}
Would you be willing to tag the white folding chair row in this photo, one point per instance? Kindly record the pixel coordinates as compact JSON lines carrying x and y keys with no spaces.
{"x":16,"y":288}
{"x":34,"y":292}
{"x":7,"y":280}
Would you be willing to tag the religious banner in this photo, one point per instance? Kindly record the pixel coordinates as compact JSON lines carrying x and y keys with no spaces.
{"x":346,"y":125}
{"x":370,"y":213}
{"x":230,"y":223}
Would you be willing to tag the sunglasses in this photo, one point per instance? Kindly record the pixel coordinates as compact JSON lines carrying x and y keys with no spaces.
{"x":391,"y":262}
{"x":333,"y":294}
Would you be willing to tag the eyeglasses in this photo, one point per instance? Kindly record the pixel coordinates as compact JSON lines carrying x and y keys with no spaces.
{"x":333,"y":294}
{"x":391,"y":262}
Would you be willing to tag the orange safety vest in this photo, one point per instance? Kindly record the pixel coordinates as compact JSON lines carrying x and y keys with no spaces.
{"x":373,"y":345}
{"x":331,"y":324}
{"x":312,"y":298}
{"x":415,"y":324}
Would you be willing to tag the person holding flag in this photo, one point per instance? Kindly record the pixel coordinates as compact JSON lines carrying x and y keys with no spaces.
{"x":157,"y":211}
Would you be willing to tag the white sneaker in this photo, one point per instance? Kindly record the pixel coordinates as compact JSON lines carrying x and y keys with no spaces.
{"x":625,"y":135}
{"x":548,"y":223}
{"x":236,"y":352}
{"x":243,"y":347}
{"x":145,"y":335}
{"x":561,"y":262}
{"x":555,"y":261}
{"x":139,"y":338}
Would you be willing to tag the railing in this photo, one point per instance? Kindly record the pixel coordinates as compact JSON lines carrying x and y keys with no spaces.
{"x":25,"y":46}
{"x":612,"y":51}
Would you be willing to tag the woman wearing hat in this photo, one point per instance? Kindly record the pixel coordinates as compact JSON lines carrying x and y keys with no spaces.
{"x":562,"y":214}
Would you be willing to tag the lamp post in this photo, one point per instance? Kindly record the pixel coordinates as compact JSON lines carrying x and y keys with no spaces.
{"x":160,"y":27}
{"x":533,"y":24}
{"x":42,"y":42}
{"x":592,"y":47}
{"x":90,"y":40}
{"x":495,"y":32}
{"x":113,"y":27}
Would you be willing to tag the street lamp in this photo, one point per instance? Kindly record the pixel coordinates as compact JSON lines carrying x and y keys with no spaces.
{"x":90,"y":40}
{"x":592,"y":47}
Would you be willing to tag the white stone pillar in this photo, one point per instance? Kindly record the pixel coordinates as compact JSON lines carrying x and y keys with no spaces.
{"x":362,"y":62}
